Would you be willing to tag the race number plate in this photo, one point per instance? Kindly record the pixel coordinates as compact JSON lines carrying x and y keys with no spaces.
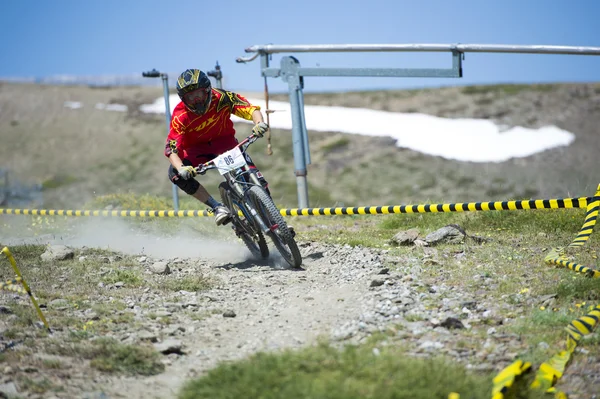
{"x":230,"y":160}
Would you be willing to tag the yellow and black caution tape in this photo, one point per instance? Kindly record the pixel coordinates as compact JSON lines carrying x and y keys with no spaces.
{"x":550,"y":372}
{"x":20,"y":279}
{"x":506,"y":378}
{"x":437,"y":208}
{"x":71,"y":212}
{"x":13,"y":285}
{"x":580,"y":202}
{"x":557,"y":256}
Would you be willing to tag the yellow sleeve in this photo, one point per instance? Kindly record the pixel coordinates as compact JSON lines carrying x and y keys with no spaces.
{"x":242,"y":107}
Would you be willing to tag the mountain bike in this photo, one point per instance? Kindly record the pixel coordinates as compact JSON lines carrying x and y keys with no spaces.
{"x":253,"y":212}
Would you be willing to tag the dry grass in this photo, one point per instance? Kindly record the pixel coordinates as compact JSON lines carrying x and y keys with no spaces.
{"x":79,"y":154}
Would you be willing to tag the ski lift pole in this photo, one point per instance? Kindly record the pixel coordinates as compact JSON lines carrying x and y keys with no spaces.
{"x":217,"y":74}
{"x":268,"y":112}
{"x":165,"y":79}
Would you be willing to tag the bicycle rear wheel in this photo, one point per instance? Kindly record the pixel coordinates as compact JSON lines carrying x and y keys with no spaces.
{"x":279,"y":232}
{"x":252,"y":237}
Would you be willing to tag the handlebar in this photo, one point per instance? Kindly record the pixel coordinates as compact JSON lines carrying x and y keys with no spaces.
{"x":203,"y":167}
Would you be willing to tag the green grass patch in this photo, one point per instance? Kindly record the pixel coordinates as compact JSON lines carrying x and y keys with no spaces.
{"x":58,"y":181}
{"x":129,"y":277}
{"x":188,"y":283}
{"x":113,"y":357}
{"x":38,"y":385}
{"x":335,"y":144}
{"x":130,"y":201}
{"x":109,"y":355}
{"x":578,"y":287}
{"x":327,"y":373}
{"x":545,"y":327}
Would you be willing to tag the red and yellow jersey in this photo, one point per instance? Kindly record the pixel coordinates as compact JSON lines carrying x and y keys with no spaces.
{"x":201,"y":138}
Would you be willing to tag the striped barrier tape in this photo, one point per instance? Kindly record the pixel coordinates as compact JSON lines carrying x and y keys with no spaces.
{"x":13,"y":285}
{"x":506,"y":378}
{"x":556,"y":256}
{"x":26,"y":288}
{"x":550,"y":372}
{"x":558,"y":203}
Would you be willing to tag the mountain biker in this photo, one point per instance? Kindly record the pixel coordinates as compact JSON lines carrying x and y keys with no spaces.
{"x":201,"y":129}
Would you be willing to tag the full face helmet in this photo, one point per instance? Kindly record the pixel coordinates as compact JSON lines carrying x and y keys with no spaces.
{"x":194,"y":89}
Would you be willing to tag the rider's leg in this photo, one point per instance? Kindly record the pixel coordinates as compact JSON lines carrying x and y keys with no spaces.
{"x":195,"y":189}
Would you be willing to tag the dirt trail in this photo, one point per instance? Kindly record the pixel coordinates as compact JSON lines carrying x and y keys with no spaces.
{"x":274,"y":309}
{"x":343,"y":294}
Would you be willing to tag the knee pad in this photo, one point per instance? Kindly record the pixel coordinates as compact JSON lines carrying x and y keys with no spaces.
{"x":189,"y":186}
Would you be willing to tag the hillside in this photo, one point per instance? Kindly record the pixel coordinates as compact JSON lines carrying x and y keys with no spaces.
{"x":168,"y":307}
{"x":78,"y":154}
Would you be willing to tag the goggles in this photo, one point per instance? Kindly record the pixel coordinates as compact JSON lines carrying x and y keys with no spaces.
{"x":197,"y":96}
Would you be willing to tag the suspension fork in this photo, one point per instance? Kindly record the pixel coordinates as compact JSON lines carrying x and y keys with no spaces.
{"x":247,"y":206}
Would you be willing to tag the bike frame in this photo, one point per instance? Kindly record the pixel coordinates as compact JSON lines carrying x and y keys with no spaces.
{"x":240,"y":186}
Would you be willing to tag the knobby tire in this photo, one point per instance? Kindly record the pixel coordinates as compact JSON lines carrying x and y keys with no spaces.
{"x":250,"y":235}
{"x":281,"y":236}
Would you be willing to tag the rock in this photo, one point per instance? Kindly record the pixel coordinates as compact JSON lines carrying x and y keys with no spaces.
{"x":377,"y":283}
{"x":405,"y":237}
{"x":190,"y":303}
{"x":471,"y":305}
{"x":547,"y":300}
{"x":421,"y":243}
{"x":452,"y":323}
{"x":429,"y":346}
{"x":160,"y":268}
{"x":57,"y":252}
{"x":163,"y":313}
{"x":147,"y":336}
{"x":91,"y":315}
{"x":9,"y":389}
{"x":229,"y":313}
{"x":451,"y":234}
{"x":5,"y":310}
{"x":59,"y":304}
{"x":169,"y":346}
{"x":95,"y":395}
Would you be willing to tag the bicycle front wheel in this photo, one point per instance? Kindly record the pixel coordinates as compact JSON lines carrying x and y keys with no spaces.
{"x":279,"y":232}
{"x":252,"y":237}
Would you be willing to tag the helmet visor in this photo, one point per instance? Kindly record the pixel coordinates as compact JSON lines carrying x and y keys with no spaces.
{"x":198,"y":100}
{"x":197,"y":96}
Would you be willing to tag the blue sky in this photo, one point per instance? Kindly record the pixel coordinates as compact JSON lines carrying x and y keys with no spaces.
{"x":109,"y":37}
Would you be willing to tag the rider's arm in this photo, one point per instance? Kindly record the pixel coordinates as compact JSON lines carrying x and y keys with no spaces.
{"x":174,"y":142}
{"x":175,"y":160}
{"x":257,"y":117}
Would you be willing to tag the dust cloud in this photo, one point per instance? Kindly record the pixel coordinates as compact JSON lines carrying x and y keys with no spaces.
{"x":119,"y":236}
